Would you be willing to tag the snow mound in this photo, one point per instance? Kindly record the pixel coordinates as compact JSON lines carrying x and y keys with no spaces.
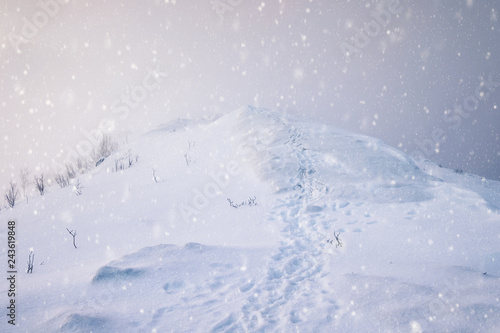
{"x":257,"y":222}
{"x":172,"y":286}
{"x":284,"y":151}
{"x":79,"y":323}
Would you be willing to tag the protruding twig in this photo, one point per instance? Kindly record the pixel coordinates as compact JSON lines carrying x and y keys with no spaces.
{"x":78,"y":188}
{"x":339,"y":242}
{"x":188,"y":158}
{"x":73,"y":233}
{"x":251,"y":201}
{"x":31,"y":260}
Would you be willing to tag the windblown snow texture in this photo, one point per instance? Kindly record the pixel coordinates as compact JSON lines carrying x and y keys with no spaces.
{"x":417,"y":251}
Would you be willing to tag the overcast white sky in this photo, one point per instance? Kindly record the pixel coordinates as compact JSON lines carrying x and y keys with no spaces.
{"x":413,"y":79}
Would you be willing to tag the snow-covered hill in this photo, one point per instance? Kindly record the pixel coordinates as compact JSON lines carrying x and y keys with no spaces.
{"x":418,"y":248}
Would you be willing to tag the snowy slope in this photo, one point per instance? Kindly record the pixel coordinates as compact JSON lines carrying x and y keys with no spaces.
{"x":420,"y":244}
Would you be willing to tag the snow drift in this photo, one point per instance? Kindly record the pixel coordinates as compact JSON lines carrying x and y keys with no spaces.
{"x":417,"y":250}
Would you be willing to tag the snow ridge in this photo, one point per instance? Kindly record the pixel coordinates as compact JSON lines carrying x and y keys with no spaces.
{"x":420,"y":244}
{"x":294,"y":272}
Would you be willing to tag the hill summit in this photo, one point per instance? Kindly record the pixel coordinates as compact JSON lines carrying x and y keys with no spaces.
{"x":259,"y":222}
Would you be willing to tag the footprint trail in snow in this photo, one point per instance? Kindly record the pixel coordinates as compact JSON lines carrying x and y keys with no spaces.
{"x":293,"y":286}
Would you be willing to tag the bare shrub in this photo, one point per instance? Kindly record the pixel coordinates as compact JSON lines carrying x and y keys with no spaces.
{"x":250,"y":202}
{"x":70,"y":171}
{"x":62,"y":180}
{"x":39,"y":182}
{"x":11,"y":194}
{"x":119,"y":164}
{"x":122,"y":163}
{"x":24,"y":176}
{"x":31,"y":261}
{"x":105,"y":148}
{"x":78,"y":188}
{"x":84,"y":164}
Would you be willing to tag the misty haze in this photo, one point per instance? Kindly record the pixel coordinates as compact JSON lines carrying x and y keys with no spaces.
{"x":250,"y":166}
